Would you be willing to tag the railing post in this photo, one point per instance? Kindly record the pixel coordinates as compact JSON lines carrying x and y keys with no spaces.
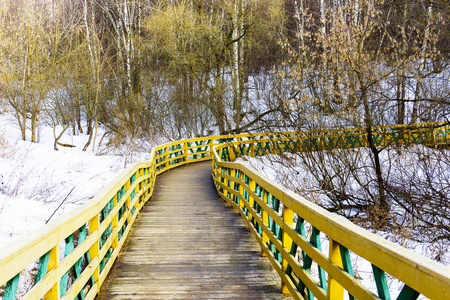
{"x":94,"y":251}
{"x":53,"y":262}
{"x":335,"y":290}
{"x":241,"y":191}
{"x":115,"y":241}
{"x":137,"y":189}
{"x":233,"y":184}
{"x":265,"y":217}
{"x":166,"y":157}
{"x":128,"y":200}
{"x":185,"y":152}
{"x":288,"y":219}
{"x":251,"y":201}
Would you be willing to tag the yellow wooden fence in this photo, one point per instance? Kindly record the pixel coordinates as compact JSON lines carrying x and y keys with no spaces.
{"x":75,"y":253}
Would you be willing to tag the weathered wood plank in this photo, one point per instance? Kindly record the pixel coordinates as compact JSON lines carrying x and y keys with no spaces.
{"x":187,"y":245}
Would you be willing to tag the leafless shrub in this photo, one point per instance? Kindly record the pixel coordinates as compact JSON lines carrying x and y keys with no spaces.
{"x":417,"y":181}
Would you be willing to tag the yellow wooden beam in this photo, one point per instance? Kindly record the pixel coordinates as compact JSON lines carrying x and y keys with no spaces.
{"x":335,"y":289}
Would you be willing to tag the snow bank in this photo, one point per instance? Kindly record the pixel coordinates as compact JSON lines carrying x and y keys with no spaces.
{"x":35,"y":179}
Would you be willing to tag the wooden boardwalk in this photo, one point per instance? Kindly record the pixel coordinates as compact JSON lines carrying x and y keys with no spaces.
{"x":186,"y":244}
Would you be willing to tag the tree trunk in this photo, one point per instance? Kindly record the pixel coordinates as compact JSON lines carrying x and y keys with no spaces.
{"x":89,"y":126}
{"x":401,"y":74}
{"x":34,"y":119}
{"x":401,"y":88}
{"x":422,"y":65}
{"x":380,"y":203}
{"x":300,"y":23}
{"x":237,"y":61}
{"x":23,"y":125}
{"x":78,"y":117}
{"x":219,"y":109}
{"x":91,"y":134}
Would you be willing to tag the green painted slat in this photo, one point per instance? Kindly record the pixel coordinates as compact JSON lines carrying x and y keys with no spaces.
{"x":276,"y":204}
{"x":294,"y":247}
{"x":120,"y":193}
{"x":271,"y":222}
{"x":347,"y":264}
{"x":280,"y":238}
{"x":302,"y":232}
{"x":43,"y":265}
{"x":237,"y":186}
{"x":206,"y":148}
{"x":408,"y":293}
{"x":307,"y":261}
{"x":315,"y":240}
{"x":77,"y":266}
{"x":267,"y":147}
{"x":222,"y":179}
{"x":378,"y":139}
{"x":380,"y":280}
{"x":259,"y":149}
{"x":275,"y":228}
{"x":346,"y":261}
{"x":65,"y":278}
{"x":11,"y":288}
{"x":257,"y":208}
{"x":246,"y":194}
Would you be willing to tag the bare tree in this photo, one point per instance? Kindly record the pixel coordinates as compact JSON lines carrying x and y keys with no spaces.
{"x":351,"y":61}
{"x":32,"y":49}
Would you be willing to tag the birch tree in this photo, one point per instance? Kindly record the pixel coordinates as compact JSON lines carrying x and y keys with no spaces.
{"x":238,"y":10}
{"x":30,"y":55}
{"x":124,"y":18}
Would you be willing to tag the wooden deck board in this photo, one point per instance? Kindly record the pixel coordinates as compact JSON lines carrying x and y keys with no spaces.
{"x":186,"y":244}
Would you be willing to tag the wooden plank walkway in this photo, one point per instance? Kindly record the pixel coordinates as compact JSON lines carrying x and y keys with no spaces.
{"x":186,"y":244}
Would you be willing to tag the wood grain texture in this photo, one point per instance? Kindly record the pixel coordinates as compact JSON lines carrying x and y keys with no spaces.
{"x":186,"y":244}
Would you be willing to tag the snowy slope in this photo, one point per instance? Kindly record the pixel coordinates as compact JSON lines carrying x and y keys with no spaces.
{"x":301,"y":181}
{"x":35,"y":179}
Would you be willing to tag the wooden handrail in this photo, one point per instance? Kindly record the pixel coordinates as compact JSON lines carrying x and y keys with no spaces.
{"x":93,"y":234}
{"x":269,"y":210}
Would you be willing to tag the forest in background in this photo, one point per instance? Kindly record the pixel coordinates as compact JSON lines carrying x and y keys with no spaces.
{"x":168,"y":69}
{"x":191,"y":68}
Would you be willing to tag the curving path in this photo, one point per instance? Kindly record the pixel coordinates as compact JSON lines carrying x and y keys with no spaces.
{"x":187,"y":245}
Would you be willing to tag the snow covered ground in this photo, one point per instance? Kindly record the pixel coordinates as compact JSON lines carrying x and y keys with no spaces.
{"x":36,"y":181}
{"x":289,"y":172}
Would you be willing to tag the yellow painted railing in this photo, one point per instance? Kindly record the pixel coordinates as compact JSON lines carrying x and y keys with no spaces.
{"x":87,"y":241}
{"x":291,"y":230}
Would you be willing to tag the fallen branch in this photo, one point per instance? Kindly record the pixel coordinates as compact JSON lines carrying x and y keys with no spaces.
{"x":60,"y":205}
{"x":66,"y":145}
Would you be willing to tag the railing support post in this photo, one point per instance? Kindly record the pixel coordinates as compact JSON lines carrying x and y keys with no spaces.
{"x":233,"y":185}
{"x":335,"y":290}
{"x":94,"y":251}
{"x":265,"y":217}
{"x":115,"y":241}
{"x":251,"y":201}
{"x":53,"y":262}
{"x":288,"y":219}
{"x":128,"y":201}
{"x":241,"y":191}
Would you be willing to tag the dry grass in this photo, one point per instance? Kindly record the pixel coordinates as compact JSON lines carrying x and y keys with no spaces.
{"x":4,"y":147}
